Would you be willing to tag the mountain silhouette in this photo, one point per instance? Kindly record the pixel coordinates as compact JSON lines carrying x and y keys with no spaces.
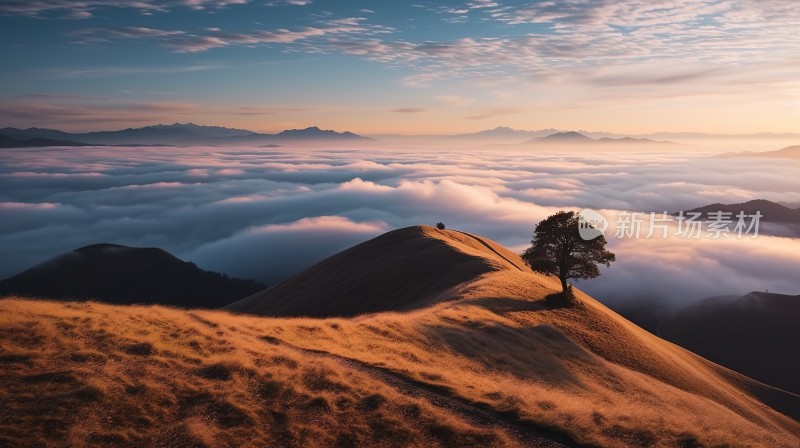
{"x":11,"y":142}
{"x":315,"y":133}
{"x":577,"y":138}
{"x":790,"y":152}
{"x":569,"y":136}
{"x":186,"y":134}
{"x":121,"y":274}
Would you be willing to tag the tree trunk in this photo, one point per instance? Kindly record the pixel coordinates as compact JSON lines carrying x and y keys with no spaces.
{"x":563,"y":284}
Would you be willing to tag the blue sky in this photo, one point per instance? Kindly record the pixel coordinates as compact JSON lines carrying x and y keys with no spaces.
{"x":407,"y":67}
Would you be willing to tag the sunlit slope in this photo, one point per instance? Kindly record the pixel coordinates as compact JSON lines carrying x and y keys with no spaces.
{"x":474,"y":362}
{"x":93,"y":375}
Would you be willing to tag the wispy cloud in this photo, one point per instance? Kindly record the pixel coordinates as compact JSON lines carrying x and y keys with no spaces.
{"x":409,"y":110}
{"x":83,"y":112}
{"x":69,"y":9}
{"x":89,"y":72}
{"x":289,"y":3}
{"x":86,"y":112}
{"x":495,"y":112}
{"x":196,"y":42}
{"x":454,"y":100}
{"x":559,"y":39}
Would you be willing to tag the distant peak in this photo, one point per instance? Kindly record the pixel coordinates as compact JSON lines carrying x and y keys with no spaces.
{"x":761,"y":201}
{"x":566,"y":135}
{"x":100,"y":247}
{"x":107,"y":248}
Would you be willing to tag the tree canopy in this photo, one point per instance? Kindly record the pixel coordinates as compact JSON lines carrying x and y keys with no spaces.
{"x":558,"y":249}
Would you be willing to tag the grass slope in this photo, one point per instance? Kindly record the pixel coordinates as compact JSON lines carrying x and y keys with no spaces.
{"x":486,"y":363}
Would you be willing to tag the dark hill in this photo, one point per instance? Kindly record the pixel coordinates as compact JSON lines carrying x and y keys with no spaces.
{"x":755,"y":334}
{"x":11,"y":142}
{"x":123,"y":275}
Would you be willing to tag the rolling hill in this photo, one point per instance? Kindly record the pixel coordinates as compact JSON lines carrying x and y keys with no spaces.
{"x":125,"y":275}
{"x":471,"y":354}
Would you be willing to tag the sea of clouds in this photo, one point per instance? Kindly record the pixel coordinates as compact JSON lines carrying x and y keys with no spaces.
{"x":268,"y":213}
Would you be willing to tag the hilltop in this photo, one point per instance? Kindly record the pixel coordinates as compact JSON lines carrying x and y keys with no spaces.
{"x":463,"y":359}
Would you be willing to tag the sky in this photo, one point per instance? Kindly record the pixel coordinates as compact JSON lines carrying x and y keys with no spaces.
{"x":409,"y":67}
{"x":269,"y":213}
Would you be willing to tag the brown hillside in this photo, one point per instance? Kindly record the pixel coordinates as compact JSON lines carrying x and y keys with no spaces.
{"x":399,"y":270}
{"x":486,"y":363}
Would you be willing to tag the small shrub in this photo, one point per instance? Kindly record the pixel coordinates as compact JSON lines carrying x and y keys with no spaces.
{"x":440,"y":225}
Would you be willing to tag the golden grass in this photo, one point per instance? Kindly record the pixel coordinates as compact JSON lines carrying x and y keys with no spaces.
{"x":87,"y":374}
{"x":100,"y":375}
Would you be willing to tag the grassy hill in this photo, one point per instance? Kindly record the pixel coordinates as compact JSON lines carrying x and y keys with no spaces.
{"x":484,"y":362}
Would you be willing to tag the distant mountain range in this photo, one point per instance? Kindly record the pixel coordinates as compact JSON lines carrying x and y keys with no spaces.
{"x":175,"y":134}
{"x":576,"y":138}
{"x":791,"y":152}
{"x":506,"y":132}
{"x":190,"y":134}
{"x":506,"y":135}
{"x":503,"y":134}
{"x":125,"y":275}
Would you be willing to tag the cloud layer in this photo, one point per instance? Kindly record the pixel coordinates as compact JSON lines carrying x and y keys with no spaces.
{"x":266,"y":214}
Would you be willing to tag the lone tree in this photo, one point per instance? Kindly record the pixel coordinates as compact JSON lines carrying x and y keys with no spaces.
{"x":558,"y":248}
